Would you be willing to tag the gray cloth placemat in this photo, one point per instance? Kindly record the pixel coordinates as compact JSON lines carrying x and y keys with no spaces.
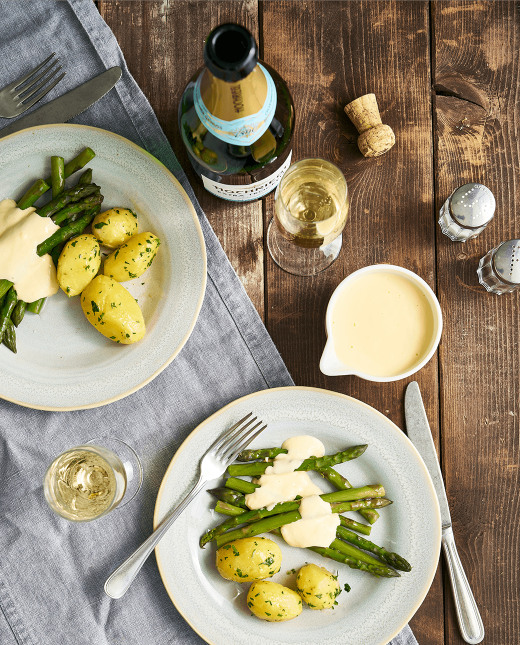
{"x":52,"y":571}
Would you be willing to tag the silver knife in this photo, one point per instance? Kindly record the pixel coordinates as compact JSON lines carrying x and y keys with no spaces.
{"x":68,"y":105}
{"x":419,"y":433}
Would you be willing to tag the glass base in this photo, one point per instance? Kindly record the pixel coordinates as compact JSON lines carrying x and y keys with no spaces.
{"x":131,"y":463}
{"x":298,"y":260}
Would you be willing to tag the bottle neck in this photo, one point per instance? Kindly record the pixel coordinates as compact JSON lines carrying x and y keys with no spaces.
{"x":238,"y":112}
{"x":231,"y":101}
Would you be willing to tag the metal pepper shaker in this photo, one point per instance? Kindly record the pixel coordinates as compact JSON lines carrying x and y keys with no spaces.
{"x":499,"y":270}
{"x":467,"y":212}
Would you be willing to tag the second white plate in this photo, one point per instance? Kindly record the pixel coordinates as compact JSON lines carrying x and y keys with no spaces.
{"x":63,"y":363}
{"x":375,"y":610}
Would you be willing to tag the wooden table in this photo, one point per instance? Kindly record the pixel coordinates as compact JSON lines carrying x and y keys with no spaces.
{"x":446,"y":78}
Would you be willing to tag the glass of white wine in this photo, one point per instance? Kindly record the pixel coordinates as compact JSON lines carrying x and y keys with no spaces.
{"x":88,"y":481}
{"x":311,"y":209}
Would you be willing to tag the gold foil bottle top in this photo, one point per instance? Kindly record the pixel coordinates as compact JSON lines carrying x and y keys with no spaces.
{"x":375,"y":138}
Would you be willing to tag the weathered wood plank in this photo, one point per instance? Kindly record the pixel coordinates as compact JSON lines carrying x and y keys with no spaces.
{"x":162,"y":43}
{"x":330,"y":53}
{"x":476,"y":65}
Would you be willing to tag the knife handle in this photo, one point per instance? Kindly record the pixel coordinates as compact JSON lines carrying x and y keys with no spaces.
{"x":470,"y":622}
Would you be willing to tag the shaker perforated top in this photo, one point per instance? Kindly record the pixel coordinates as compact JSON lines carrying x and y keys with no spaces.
{"x":507,"y":261}
{"x":472,"y":205}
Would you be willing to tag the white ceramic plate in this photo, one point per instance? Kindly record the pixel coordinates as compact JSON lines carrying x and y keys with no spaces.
{"x":63,"y":363}
{"x":375,"y":610}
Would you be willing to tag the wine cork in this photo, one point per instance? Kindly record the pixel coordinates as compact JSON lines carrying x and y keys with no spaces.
{"x":375,"y":138}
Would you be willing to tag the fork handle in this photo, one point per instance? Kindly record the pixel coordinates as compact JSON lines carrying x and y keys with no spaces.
{"x":119,"y":581}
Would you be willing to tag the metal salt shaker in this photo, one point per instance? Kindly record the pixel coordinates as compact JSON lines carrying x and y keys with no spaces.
{"x":467,"y":212}
{"x":499,"y":270}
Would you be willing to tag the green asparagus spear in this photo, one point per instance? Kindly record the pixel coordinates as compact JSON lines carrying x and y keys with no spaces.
{"x":5,"y":285}
{"x":342,"y":484}
{"x":56,"y":252}
{"x":240,"y":485}
{"x":65,"y":233}
{"x":225,"y":508}
{"x":9,"y":337}
{"x":36,"y":306}
{"x":86,"y":177}
{"x":77,"y":163}
{"x":35,"y":191}
{"x":285,"y":507}
{"x":228,"y":509}
{"x":57,"y":176}
{"x":314,"y":463}
{"x":18,"y":312}
{"x":74,"y":194}
{"x":262,"y":526}
{"x":384,"y":572}
{"x":393,"y":559}
{"x":7,"y":310}
{"x":348,"y":549}
{"x":261,"y":454}
{"x":355,"y":526}
{"x":353,"y":563}
{"x":229,"y":496}
{"x":77,"y":207}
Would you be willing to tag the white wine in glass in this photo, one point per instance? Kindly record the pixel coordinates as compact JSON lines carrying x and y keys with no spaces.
{"x":311,"y":209}
{"x":88,"y":481}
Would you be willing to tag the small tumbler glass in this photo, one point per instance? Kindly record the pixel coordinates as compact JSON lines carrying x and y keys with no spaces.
{"x":88,"y":481}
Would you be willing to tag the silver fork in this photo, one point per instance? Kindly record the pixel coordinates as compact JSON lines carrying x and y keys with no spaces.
{"x":13,"y":97}
{"x":213,"y":464}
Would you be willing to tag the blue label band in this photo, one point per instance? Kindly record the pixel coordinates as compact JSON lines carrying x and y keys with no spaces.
{"x":244,"y":131}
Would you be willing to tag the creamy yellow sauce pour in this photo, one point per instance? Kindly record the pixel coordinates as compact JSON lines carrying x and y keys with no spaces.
{"x":382,"y":324}
{"x":317,"y":526}
{"x":20,"y":233}
{"x":281,"y":484}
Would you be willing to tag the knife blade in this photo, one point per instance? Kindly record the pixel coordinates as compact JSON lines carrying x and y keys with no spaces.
{"x":68,"y":105}
{"x":419,"y":433}
{"x":418,"y":429}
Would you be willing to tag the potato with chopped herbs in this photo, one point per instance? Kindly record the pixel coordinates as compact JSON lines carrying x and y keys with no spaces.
{"x":133,"y":258}
{"x":273,"y":602}
{"x":111,"y":309}
{"x":115,"y":226}
{"x":317,"y":586}
{"x":249,"y":559}
{"x":78,"y":264}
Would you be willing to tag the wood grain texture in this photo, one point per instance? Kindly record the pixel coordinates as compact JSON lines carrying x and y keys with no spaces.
{"x":163,"y":45}
{"x":330,"y":53}
{"x":339,"y":51}
{"x":476,"y":70}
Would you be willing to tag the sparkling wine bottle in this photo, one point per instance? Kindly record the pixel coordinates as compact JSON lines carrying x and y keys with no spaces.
{"x":236,"y":118}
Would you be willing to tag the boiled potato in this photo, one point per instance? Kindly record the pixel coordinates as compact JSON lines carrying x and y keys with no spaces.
{"x":113,"y":311}
{"x":249,"y":559}
{"x":273,"y":602}
{"x":115,"y":226}
{"x":133,"y":258}
{"x":78,"y":264}
{"x":317,"y":586}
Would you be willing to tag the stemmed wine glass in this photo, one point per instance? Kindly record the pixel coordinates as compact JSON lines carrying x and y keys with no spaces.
{"x":311,"y":209}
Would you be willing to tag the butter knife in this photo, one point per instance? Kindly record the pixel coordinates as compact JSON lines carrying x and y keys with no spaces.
{"x":418,"y":428}
{"x":68,"y":105}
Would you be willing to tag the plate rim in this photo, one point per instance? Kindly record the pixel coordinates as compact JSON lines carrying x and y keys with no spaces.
{"x":321,"y":391}
{"x":202,"y":293}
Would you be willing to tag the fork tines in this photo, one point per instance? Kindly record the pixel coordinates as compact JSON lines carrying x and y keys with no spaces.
{"x":23,"y":93}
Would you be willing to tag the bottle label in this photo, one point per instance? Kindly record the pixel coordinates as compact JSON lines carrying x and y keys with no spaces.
{"x":244,"y":131}
{"x":250,"y":192}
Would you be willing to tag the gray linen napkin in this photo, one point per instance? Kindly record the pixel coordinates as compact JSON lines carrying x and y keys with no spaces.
{"x":52,"y":571}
